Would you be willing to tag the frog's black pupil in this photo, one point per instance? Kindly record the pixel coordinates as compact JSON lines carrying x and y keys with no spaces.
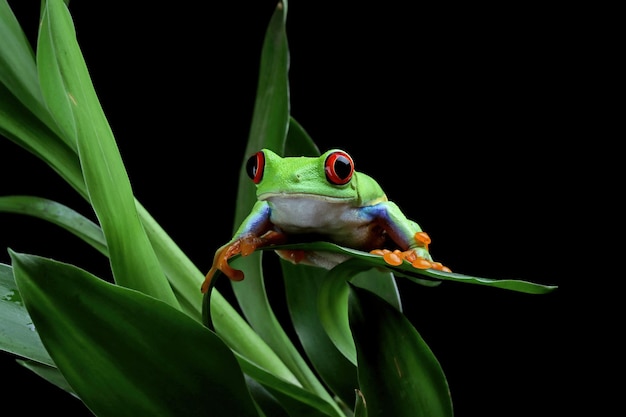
{"x":252,"y":166}
{"x":343,"y":169}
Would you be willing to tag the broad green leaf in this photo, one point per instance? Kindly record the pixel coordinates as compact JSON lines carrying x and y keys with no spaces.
{"x":398,"y":374}
{"x":21,"y":126}
{"x":127,"y":354}
{"x":180,"y":270}
{"x":71,"y":97}
{"x":18,"y":334}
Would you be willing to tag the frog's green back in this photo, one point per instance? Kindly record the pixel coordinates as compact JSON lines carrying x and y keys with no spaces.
{"x":369,"y":192}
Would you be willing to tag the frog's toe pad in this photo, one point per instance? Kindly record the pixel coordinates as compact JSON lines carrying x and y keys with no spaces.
{"x":440,"y":267}
{"x":397,"y":257}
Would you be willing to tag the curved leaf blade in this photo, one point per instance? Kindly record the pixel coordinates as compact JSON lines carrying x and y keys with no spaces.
{"x":298,"y":142}
{"x":360,"y":409}
{"x":72,"y":99}
{"x":58,"y":214}
{"x":398,"y":374}
{"x":333,"y":300}
{"x":116,"y":346}
{"x":19,"y":335}
{"x":297,"y":400}
{"x":302,"y":286}
{"x":21,"y":126}
{"x":18,"y":71}
{"x":428,"y":277}
{"x":49,"y":373}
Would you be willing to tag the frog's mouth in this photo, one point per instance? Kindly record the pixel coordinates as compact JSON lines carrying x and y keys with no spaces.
{"x":295,"y":196}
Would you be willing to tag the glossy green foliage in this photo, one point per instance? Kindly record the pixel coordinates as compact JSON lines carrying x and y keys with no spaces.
{"x":121,"y":361}
{"x":398,"y":374}
{"x":71,"y":97}
{"x":18,"y":332}
{"x":150,"y":341}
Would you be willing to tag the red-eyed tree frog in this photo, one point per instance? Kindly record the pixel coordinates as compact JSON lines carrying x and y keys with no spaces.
{"x":321,"y":198}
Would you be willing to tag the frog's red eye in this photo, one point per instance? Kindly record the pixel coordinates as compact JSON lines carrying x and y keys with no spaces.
{"x":339,"y":168}
{"x":255,"y":167}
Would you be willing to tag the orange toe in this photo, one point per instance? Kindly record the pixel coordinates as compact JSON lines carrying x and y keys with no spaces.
{"x":393,"y":258}
{"x":220,"y":262}
{"x":421,"y":263}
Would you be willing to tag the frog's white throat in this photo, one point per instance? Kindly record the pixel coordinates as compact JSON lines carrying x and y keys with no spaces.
{"x":308,"y":213}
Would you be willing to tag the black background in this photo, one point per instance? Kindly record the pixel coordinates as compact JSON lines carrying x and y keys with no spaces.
{"x":463,"y":115}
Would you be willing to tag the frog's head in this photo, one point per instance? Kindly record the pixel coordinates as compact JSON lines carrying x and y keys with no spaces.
{"x":330,"y":176}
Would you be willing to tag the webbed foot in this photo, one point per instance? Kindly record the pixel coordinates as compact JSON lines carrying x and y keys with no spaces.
{"x":418,"y":261}
{"x":244,"y":246}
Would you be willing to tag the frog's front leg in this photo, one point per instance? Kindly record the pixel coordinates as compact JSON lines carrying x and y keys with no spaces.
{"x":407,"y":235}
{"x":254,"y":232}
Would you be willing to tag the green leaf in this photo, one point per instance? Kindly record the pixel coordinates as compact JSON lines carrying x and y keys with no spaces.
{"x":297,"y":400}
{"x":265,"y":400}
{"x":49,"y":373}
{"x":18,"y":71}
{"x":332,"y":307}
{"x":127,"y":354}
{"x":269,"y":112}
{"x":71,"y":97}
{"x":398,"y":374}
{"x":333,"y":294}
{"x":427,"y":277}
{"x":21,"y":126}
{"x":270,"y":117}
{"x":237,"y":334}
{"x":184,"y":277}
{"x":360,"y":409}
{"x":182,"y":273}
{"x":58,"y":214}
{"x":302,"y":286}
{"x":298,"y":142}
{"x":17,"y":329}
